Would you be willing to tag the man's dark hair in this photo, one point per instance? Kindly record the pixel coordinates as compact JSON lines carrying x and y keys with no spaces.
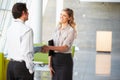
{"x":17,"y":10}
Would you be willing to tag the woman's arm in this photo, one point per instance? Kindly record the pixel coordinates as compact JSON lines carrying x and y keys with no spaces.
{"x":50,"y":65}
{"x":50,"y":61}
{"x":58,"y":48}
{"x":55,"y":48}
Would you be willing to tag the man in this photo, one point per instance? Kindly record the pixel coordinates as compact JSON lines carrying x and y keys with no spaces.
{"x":20,"y":46}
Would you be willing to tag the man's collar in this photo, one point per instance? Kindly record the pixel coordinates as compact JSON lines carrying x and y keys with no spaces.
{"x":19,"y":20}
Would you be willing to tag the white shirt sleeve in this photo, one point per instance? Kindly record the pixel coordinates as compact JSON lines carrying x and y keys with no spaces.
{"x":27,"y":49}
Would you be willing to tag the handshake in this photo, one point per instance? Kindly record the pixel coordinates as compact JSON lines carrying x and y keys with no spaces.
{"x":43,"y":49}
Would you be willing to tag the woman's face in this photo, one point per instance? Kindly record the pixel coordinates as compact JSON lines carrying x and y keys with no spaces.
{"x":64,"y":17}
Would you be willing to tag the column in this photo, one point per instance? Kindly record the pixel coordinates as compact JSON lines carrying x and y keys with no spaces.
{"x":35,"y":19}
{"x":59,"y":7}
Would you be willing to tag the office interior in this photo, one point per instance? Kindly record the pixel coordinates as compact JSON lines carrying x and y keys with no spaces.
{"x":97,"y":46}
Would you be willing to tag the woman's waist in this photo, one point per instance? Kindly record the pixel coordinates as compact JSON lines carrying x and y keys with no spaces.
{"x":67,"y":52}
{"x":61,"y":55}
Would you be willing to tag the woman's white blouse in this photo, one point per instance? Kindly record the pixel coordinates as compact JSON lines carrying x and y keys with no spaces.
{"x":64,"y":36}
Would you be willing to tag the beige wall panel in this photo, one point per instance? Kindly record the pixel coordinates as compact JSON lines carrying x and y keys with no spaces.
{"x":104,"y":41}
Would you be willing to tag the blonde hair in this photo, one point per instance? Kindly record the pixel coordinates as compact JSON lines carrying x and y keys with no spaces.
{"x":71,"y":16}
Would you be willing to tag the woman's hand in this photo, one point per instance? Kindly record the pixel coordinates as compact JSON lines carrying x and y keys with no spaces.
{"x":51,"y":70}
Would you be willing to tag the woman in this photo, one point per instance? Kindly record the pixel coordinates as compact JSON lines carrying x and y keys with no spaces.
{"x":61,"y":62}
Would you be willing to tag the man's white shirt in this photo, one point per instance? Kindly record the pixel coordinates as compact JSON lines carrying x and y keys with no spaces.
{"x":19,"y":43}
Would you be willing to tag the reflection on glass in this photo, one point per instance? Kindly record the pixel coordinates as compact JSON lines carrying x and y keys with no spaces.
{"x":103,"y":64}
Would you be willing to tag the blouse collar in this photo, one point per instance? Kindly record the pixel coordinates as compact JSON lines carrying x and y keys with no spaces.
{"x":68,"y":26}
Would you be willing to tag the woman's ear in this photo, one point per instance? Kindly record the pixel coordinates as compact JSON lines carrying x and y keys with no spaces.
{"x":69,"y":18}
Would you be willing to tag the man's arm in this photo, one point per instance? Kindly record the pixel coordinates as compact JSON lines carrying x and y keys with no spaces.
{"x":27,"y":49}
